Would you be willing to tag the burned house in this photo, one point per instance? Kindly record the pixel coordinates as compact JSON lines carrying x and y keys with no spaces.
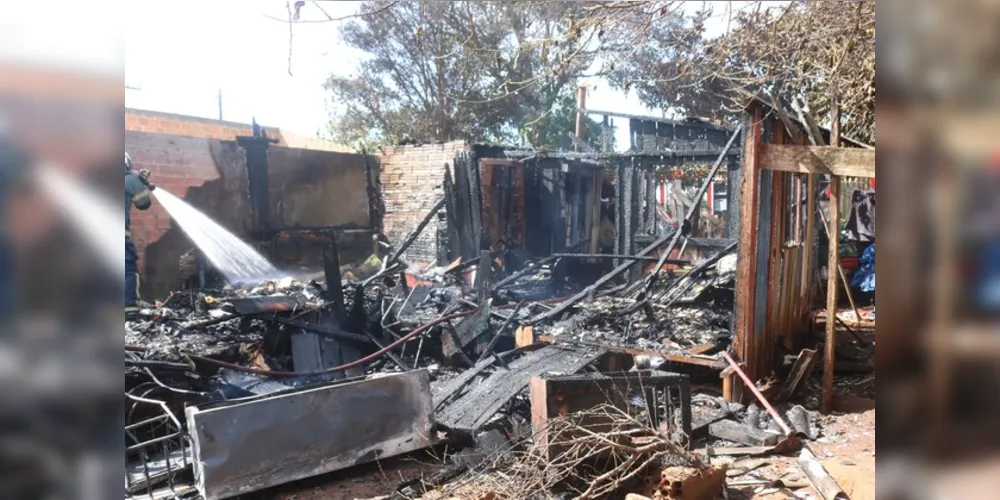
{"x":496,"y":312}
{"x":480,"y":196}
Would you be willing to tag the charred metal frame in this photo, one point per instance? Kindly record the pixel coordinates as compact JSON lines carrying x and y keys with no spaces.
{"x":665,"y":398}
{"x":157,"y":449}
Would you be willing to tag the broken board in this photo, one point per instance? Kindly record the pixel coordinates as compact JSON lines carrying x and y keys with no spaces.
{"x":479,"y":404}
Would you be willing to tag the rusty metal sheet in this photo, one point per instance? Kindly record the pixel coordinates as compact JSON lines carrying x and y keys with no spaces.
{"x":247,"y":446}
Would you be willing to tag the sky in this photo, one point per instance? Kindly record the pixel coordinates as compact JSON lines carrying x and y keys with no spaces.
{"x":54,"y":32}
{"x":180,"y":55}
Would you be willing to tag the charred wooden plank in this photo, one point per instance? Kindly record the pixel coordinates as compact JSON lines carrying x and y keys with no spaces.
{"x":847,"y":162}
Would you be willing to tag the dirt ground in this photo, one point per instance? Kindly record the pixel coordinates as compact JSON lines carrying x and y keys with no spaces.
{"x":362,"y":482}
{"x":846,"y":448}
{"x":847,"y":452}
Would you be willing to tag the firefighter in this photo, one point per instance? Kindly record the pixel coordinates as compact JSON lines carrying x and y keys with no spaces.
{"x":13,"y":167}
{"x":137,"y":188}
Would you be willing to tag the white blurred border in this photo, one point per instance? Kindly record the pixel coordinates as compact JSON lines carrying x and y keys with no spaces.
{"x":87,"y":35}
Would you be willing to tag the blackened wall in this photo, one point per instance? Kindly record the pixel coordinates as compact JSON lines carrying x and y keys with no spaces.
{"x":307,"y":189}
{"x":317,"y":188}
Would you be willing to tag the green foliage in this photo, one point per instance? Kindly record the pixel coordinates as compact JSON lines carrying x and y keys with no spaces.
{"x":438,"y":71}
{"x":799,"y":51}
{"x":553,"y":130}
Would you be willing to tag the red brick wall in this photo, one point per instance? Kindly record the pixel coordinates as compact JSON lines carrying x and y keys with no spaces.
{"x":139,"y":120}
{"x":412,"y":178}
{"x":174,"y":148}
{"x":177,"y":164}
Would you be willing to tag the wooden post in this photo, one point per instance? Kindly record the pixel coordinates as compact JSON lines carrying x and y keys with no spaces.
{"x":581,"y":104}
{"x":595,"y":207}
{"x":797,"y":207}
{"x":809,"y":263}
{"x":744,"y":343}
{"x":943,"y":309}
{"x":833,"y":261}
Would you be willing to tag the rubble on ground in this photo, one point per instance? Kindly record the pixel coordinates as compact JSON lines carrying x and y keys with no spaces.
{"x":217,"y":350}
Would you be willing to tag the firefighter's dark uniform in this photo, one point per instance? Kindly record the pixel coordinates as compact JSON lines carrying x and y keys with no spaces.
{"x":137,"y":194}
{"x":13,"y":165}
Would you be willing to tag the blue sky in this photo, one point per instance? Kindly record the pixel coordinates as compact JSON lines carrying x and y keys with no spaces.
{"x":181,"y":53}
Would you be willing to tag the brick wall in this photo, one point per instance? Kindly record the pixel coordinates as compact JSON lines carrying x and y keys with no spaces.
{"x":308,"y":188}
{"x":178,"y":164}
{"x":176,"y":148}
{"x":141,"y":120}
{"x":412,"y":178}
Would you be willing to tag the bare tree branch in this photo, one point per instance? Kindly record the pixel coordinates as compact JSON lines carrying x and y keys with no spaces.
{"x":331,"y":19}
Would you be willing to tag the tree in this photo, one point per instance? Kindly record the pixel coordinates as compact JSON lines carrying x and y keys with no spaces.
{"x":437,"y":71}
{"x":555,"y":130}
{"x":803,"y":51}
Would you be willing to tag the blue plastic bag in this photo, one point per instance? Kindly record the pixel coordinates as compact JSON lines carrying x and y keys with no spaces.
{"x":864,"y":277}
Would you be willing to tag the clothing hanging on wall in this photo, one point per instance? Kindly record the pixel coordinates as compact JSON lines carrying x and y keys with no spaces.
{"x":861,"y":222}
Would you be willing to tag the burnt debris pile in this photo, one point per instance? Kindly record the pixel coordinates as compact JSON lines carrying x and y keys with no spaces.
{"x":458,"y":349}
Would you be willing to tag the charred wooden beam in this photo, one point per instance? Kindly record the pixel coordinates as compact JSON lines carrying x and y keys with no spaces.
{"x":846,"y":162}
{"x":334,"y":288}
{"x":484,"y":275}
{"x":324,"y":331}
{"x":743,"y":311}
{"x":376,"y":208}
{"x":467,"y":331}
{"x":679,"y":262}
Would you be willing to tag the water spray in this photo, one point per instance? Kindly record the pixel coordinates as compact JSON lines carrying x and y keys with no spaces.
{"x":97,"y":219}
{"x":230,"y":255}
